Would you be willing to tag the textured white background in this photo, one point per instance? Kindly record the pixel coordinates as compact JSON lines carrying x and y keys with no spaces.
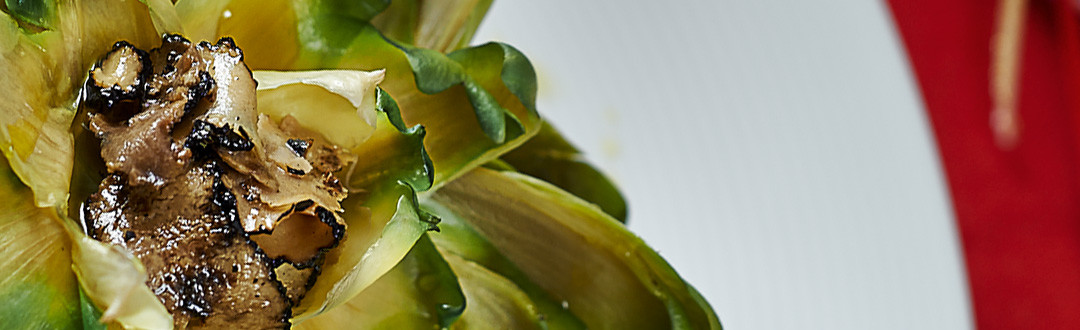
{"x":775,"y":152}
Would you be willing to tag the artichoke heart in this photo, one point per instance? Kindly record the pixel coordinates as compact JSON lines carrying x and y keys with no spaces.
{"x":231,"y":212}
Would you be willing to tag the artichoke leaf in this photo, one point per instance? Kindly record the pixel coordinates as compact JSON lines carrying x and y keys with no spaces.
{"x":199,"y":19}
{"x":494,"y":301}
{"x":32,"y":124}
{"x":444,"y":90}
{"x":44,"y":70}
{"x":493,"y":84}
{"x":49,"y":259}
{"x":421,"y":292}
{"x":91,"y":315}
{"x":443,"y":26}
{"x":382,"y":215}
{"x":394,"y":152}
{"x":37,"y":284}
{"x":315,"y":100}
{"x":458,"y":238}
{"x":164,"y":16}
{"x":549,"y":157}
{"x":589,"y":259}
{"x":115,"y":281}
{"x":381,"y":231}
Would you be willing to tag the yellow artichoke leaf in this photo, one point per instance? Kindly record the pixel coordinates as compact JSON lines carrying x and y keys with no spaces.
{"x":381,"y":230}
{"x":37,"y":284}
{"x":578,"y":254}
{"x":115,"y":281}
{"x":421,"y":292}
{"x":200,"y":19}
{"x":163,"y":14}
{"x":443,"y":26}
{"x":457,"y":237}
{"x":493,"y":301}
{"x":315,"y":100}
{"x":43,"y":71}
{"x":32,"y":122}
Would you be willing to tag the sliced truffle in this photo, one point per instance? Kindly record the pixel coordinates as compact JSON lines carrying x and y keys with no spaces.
{"x":204,"y":190}
{"x":118,"y":77}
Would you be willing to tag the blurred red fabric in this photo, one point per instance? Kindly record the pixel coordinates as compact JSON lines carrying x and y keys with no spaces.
{"x":1018,"y":210}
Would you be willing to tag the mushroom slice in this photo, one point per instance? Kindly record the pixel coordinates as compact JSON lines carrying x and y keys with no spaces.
{"x":230,"y":212}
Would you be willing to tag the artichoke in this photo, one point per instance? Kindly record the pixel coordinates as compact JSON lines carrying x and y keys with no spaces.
{"x":383,"y":174}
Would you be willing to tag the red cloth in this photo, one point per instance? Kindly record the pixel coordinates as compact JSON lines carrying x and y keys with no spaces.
{"x":1018,"y":211}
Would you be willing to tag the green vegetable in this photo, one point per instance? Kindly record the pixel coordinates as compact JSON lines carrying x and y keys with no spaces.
{"x":433,"y":240}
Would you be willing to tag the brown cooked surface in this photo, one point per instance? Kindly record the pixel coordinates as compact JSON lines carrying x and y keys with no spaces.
{"x":230,"y":213}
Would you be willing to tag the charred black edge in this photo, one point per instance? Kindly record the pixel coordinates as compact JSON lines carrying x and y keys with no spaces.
{"x":303,"y":205}
{"x":225,"y":200}
{"x":230,"y":44}
{"x":232,"y":141}
{"x":315,"y":272}
{"x":282,"y":291}
{"x":336,"y":229}
{"x":172,"y":56}
{"x":204,"y":136}
{"x":294,"y":171}
{"x":102,"y":98}
{"x":203,"y":88}
{"x":170,"y":38}
{"x":299,"y":146}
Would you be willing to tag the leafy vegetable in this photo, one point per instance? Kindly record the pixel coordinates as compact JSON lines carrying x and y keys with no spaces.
{"x":588,"y":258}
{"x":549,"y":157}
{"x":397,"y":84}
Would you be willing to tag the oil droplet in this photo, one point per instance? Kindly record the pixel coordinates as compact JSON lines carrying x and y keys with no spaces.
{"x":565,"y":304}
{"x":227,"y":13}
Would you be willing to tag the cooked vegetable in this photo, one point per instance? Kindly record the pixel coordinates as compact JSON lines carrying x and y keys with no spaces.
{"x":231,"y":221}
{"x":314,"y":164}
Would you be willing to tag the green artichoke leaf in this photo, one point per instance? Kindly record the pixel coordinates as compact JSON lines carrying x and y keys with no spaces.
{"x":548,"y":156}
{"x":576,"y":252}
{"x":494,"y":301}
{"x":381,"y":231}
{"x":399,"y":21}
{"x":91,"y":315}
{"x":494,"y":84}
{"x":429,"y":290}
{"x":39,"y":13}
{"x":37,"y":284}
{"x":400,"y":156}
{"x":443,"y":26}
{"x":436,"y":72}
{"x":458,"y":238}
{"x":421,"y":292}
